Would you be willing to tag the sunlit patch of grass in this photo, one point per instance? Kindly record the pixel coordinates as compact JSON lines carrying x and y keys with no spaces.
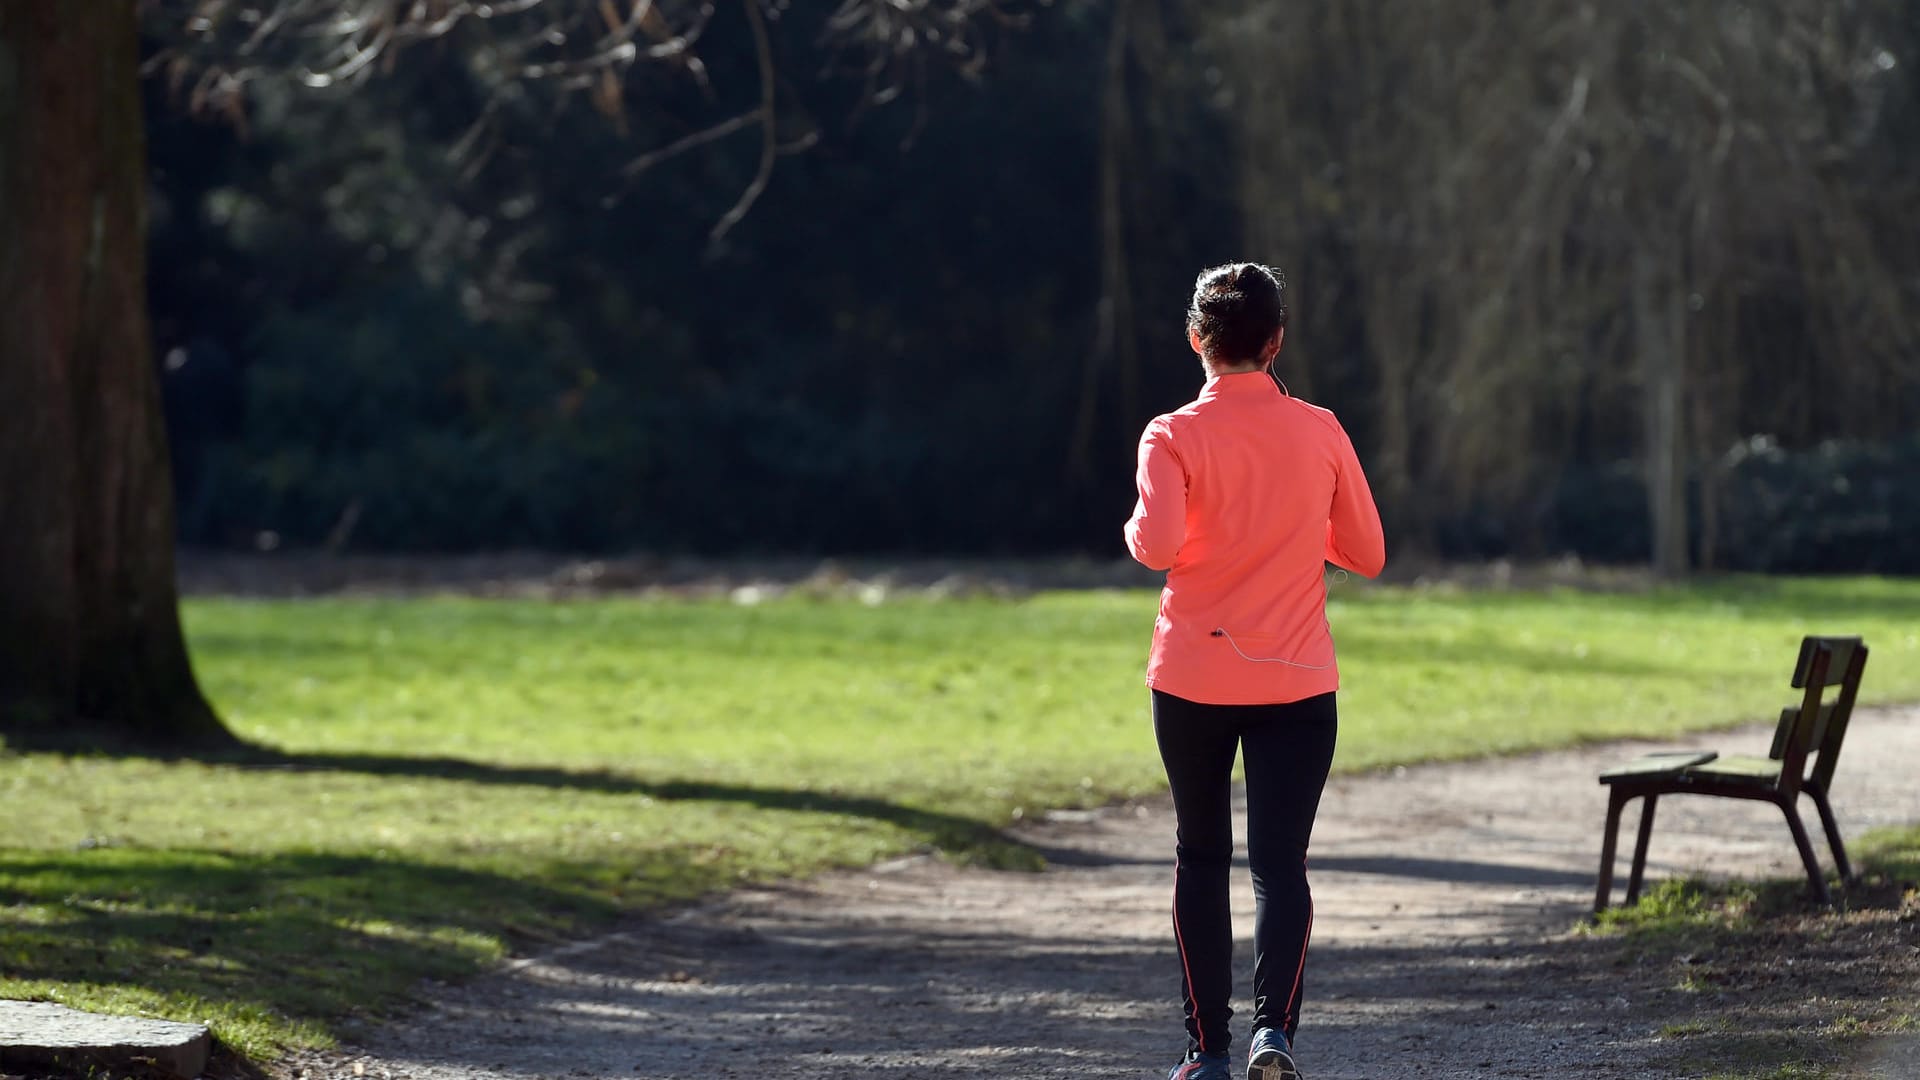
{"x":1684,"y":1028}
{"x":1445,"y":673}
{"x":1792,"y":1070}
{"x":1893,"y":853}
{"x":1849,"y":1026}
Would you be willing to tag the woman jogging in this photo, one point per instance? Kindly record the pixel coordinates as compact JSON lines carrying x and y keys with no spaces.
{"x":1245,"y":494}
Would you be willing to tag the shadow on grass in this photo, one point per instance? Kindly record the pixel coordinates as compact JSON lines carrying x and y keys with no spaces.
{"x":266,"y":946}
{"x":967,"y":839}
{"x":250,"y":942}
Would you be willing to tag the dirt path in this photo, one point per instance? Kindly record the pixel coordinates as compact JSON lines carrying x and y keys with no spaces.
{"x":1445,"y":895}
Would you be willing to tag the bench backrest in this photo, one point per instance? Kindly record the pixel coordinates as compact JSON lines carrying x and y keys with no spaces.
{"x":1817,"y":726}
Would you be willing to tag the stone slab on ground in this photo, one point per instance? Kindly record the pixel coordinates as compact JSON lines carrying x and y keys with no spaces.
{"x":41,"y":1033}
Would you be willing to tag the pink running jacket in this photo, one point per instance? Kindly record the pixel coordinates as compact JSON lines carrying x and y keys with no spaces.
{"x":1245,"y":495}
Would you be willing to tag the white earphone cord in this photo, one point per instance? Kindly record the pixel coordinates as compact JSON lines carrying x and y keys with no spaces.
{"x":1221,"y":631}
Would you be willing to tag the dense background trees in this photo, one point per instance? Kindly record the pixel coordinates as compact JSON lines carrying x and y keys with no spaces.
{"x":91,"y":647}
{"x":1620,"y":280}
{"x":1569,"y":235}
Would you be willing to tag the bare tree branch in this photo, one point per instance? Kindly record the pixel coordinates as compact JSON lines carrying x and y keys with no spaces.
{"x":690,"y":142}
{"x":570,"y":45}
{"x":769,"y":121}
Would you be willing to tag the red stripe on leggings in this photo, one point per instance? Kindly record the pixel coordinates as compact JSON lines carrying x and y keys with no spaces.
{"x":1180,"y":942}
{"x":1293,"y":1000}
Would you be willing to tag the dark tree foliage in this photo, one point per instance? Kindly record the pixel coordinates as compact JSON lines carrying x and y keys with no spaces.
{"x":528,"y":346}
{"x":485,"y":296}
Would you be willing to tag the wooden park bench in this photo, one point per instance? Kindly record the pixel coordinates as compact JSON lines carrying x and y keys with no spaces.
{"x":1812,"y":728}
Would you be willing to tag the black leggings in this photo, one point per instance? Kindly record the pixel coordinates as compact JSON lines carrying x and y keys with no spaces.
{"x":1288,"y":749}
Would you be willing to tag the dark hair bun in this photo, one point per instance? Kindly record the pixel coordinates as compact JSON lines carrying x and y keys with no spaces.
{"x":1236,"y":310}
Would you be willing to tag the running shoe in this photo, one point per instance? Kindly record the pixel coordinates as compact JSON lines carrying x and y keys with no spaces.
{"x":1270,"y":1057}
{"x":1202,"y":1067}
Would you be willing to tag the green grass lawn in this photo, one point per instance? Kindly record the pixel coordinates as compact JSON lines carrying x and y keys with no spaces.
{"x":449,"y":780}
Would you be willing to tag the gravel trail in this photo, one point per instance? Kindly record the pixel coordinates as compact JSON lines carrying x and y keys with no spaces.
{"x":1443,"y":948}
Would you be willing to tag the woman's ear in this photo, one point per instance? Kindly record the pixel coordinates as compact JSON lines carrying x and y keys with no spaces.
{"x":1273,"y":347}
{"x":1193,"y":339}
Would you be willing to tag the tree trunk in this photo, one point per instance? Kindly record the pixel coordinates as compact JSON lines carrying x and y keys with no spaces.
{"x":90,"y":636}
{"x":1113,"y":342}
{"x":1658,"y":316}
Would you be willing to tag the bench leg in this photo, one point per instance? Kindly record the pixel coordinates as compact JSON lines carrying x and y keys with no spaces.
{"x":1640,"y":849}
{"x":1607,"y":849}
{"x":1833,"y":833}
{"x":1816,"y":881}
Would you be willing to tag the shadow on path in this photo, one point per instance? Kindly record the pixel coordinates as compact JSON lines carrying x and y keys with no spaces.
{"x":804,"y":994}
{"x":1460,"y":870}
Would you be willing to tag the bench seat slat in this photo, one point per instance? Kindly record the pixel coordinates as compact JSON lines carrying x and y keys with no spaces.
{"x":1764,"y":770}
{"x":1656,"y":764}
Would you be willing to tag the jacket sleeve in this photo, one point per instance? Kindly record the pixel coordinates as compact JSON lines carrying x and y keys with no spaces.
{"x":1354,"y":537}
{"x":1159,"y":523}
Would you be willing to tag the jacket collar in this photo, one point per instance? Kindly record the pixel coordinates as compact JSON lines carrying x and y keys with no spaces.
{"x":1243,"y":384}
